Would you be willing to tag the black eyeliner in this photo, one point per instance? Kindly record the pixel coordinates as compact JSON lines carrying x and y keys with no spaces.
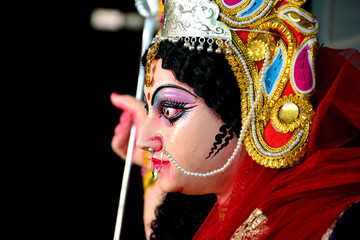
{"x":169,"y":86}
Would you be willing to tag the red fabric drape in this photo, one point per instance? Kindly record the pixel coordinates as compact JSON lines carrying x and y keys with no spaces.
{"x":302,"y":202}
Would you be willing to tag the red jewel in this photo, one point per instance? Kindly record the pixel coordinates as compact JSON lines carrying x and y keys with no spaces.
{"x":148,"y":96}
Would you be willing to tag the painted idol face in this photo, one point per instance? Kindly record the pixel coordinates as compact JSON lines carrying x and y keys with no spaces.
{"x":192,"y":133}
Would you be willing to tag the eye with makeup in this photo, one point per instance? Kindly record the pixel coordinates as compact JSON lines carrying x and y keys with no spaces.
{"x":173,"y":110}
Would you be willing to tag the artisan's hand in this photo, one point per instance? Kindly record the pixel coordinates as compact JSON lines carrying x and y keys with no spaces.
{"x":133,"y":113}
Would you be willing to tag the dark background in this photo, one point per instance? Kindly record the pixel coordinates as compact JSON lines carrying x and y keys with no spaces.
{"x":108,"y":62}
{"x":68,"y":180}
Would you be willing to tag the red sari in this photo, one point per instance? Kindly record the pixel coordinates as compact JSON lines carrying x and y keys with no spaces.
{"x":301,"y":202}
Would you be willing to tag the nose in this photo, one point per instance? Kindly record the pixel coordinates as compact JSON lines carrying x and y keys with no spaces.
{"x":149,"y":137}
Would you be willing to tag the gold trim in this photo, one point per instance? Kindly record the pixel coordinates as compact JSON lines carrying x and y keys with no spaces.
{"x":297,"y":2}
{"x":289,"y":50}
{"x":306,"y":112}
{"x":303,"y":21}
{"x":253,"y":227}
{"x":252,"y":67}
{"x":286,"y":160}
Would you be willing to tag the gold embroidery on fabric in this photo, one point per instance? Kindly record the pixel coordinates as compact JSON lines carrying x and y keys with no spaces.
{"x":222,"y":213}
{"x":253,"y":227}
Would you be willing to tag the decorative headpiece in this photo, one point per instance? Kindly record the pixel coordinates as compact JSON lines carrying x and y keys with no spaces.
{"x":270,"y":46}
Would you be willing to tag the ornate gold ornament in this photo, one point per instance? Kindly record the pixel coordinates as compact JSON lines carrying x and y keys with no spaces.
{"x":257,"y":50}
{"x":253,"y":227}
{"x":271,"y":48}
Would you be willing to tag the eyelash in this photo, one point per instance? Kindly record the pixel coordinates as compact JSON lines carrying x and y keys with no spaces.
{"x":166,"y":104}
{"x":170,"y":104}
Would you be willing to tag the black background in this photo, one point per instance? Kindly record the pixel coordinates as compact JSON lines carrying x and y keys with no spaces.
{"x":66,"y":177}
{"x":108,"y":62}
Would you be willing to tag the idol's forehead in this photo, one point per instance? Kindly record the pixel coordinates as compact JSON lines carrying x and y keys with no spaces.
{"x":164,"y":79}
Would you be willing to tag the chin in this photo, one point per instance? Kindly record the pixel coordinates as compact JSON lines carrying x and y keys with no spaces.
{"x":183,"y":186}
{"x":167,"y":186}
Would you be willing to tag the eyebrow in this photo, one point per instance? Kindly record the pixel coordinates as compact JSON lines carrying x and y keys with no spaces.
{"x":169,"y":86}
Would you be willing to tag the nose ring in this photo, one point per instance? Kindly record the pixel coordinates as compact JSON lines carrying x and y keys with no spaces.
{"x":155,"y":171}
{"x":151,"y":151}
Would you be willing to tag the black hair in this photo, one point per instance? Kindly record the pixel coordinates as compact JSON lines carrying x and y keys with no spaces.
{"x":180,"y":216}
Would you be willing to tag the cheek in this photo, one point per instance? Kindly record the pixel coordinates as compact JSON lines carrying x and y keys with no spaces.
{"x":192,"y":139}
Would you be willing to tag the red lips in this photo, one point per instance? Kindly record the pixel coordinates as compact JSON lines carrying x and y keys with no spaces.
{"x":157,"y":162}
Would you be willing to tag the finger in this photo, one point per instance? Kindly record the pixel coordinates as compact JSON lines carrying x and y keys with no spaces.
{"x":119,"y":142}
{"x":130,"y":104}
{"x":125,"y":121}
